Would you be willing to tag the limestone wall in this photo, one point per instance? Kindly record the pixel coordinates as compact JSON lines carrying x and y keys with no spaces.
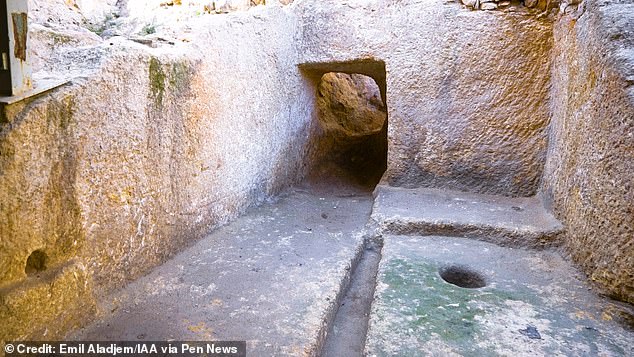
{"x":467,"y":91}
{"x":588,"y":173}
{"x":114,"y":173}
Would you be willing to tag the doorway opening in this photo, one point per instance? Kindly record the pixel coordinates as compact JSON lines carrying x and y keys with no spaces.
{"x":351,"y":140}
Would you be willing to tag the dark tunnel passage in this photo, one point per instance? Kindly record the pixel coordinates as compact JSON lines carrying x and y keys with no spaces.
{"x":352,"y":118}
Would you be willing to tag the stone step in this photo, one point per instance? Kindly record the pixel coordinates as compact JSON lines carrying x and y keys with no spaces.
{"x":274,"y":278}
{"x":506,"y":221}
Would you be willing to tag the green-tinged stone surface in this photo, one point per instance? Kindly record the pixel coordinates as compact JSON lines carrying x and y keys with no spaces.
{"x":416,"y":312}
{"x":157,"y":81}
{"x":430,"y":307}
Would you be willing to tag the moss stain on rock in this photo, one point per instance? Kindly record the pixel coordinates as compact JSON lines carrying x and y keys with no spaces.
{"x":157,"y":81}
{"x":180,"y":77}
{"x":61,"y":39}
{"x":432,"y":308}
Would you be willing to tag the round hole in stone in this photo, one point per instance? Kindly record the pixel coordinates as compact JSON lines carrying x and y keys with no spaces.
{"x":35,"y":263}
{"x":462,"y":276}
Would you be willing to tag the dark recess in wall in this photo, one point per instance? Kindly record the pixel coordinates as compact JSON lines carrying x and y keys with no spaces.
{"x":353,"y":131}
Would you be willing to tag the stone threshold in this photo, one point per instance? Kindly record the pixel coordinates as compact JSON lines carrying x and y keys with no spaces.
{"x":505,"y":221}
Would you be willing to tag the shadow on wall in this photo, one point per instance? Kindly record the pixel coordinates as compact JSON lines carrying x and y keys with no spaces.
{"x":349,"y":143}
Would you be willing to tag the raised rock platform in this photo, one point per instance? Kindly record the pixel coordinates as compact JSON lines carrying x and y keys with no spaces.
{"x":533,"y":304}
{"x":517,"y":222}
{"x":274,"y":277}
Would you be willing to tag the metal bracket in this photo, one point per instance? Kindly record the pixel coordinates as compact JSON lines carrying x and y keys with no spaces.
{"x":41,"y":86}
{"x":16,"y":81}
{"x":15,"y":71}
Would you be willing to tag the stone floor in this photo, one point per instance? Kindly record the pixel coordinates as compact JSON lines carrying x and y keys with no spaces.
{"x":272,"y":277}
{"x":533,"y":304}
{"x":297,"y":277}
